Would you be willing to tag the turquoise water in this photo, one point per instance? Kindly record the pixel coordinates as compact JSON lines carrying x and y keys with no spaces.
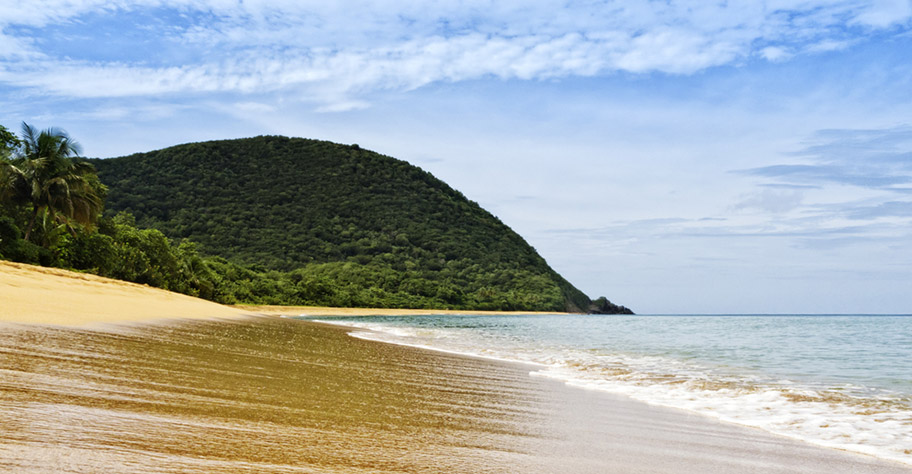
{"x":839,"y":381}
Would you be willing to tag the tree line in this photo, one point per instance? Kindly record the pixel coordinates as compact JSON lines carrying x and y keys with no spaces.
{"x":282,"y":204}
{"x":328,"y":247}
{"x":52,"y":213}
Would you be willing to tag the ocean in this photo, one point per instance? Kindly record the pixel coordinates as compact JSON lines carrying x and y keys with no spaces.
{"x":841,"y":381}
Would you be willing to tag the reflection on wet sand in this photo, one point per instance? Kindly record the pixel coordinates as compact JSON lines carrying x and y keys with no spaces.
{"x":257,"y":395}
{"x":271,"y":395}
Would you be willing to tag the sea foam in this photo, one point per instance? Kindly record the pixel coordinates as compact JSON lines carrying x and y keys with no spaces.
{"x":851,"y":416}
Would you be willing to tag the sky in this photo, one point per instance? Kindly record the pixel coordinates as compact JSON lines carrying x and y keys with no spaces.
{"x":693,"y":156}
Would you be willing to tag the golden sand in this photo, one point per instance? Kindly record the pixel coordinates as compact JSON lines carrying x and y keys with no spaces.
{"x":258,"y":395}
{"x":40,"y":295}
{"x":275,"y":395}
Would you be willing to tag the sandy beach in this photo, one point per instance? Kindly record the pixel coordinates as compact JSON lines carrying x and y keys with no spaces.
{"x":278,"y":395}
{"x":41,"y":295}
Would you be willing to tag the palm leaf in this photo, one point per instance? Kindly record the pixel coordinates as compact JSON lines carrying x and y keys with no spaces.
{"x":49,"y":176}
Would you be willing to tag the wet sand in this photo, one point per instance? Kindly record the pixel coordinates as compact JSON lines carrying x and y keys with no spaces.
{"x":273,"y":395}
{"x":276,"y":395}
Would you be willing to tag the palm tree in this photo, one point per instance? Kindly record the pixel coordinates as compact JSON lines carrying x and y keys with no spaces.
{"x":47,"y":175}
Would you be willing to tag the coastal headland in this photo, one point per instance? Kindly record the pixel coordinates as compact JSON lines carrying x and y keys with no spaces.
{"x":219,"y":389}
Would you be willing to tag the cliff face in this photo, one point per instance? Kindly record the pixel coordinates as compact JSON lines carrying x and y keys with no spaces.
{"x":349,"y":214}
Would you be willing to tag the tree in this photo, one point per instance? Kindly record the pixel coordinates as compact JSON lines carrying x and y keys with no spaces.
{"x":47,"y":175}
{"x":8,"y":143}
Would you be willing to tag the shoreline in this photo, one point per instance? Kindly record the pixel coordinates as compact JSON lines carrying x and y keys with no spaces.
{"x":338,"y":404}
{"x":369,"y":334}
{"x":45,"y":295}
{"x":606,"y":407}
{"x":503,"y":416}
{"x":44,"y":286}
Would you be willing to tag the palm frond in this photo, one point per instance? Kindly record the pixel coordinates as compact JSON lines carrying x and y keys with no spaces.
{"x":51,"y":177}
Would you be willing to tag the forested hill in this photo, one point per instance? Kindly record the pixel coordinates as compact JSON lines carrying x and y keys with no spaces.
{"x":339,"y":213}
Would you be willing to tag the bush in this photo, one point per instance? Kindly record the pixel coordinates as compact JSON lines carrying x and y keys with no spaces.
{"x":13,"y":247}
{"x":89,"y":251}
{"x":9,"y":234}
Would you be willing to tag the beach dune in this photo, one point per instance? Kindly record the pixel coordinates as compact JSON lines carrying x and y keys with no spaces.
{"x":41,"y":295}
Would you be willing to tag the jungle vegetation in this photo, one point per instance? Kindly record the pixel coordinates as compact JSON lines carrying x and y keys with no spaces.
{"x":268,"y":220}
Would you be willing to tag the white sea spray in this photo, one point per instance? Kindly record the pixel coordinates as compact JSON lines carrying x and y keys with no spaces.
{"x":831,"y":381}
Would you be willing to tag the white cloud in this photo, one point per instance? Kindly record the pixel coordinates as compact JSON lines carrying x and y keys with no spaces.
{"x":341,"y":106}
{"x":885,"y":13}
{"x":15,"y":49}
{"x":775,"y":53}
{"x":828,"y":45}
{"x":338,"y":53}
{"x":675,"y":51}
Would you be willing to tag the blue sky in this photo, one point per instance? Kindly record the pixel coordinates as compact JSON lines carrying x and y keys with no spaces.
{"x":675,"y":156}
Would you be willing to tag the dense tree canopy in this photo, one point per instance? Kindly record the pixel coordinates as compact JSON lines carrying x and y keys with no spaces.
{"x":338,"y":211}
{"x":269,"y":220}
{"x":46,"y":175}
{"x":8,"y":143}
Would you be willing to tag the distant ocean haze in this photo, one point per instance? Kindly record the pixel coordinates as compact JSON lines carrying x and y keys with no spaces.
{"x":839,"y":381}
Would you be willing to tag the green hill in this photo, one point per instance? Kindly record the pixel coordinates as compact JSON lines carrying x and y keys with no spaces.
{"x":336,"y":216}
